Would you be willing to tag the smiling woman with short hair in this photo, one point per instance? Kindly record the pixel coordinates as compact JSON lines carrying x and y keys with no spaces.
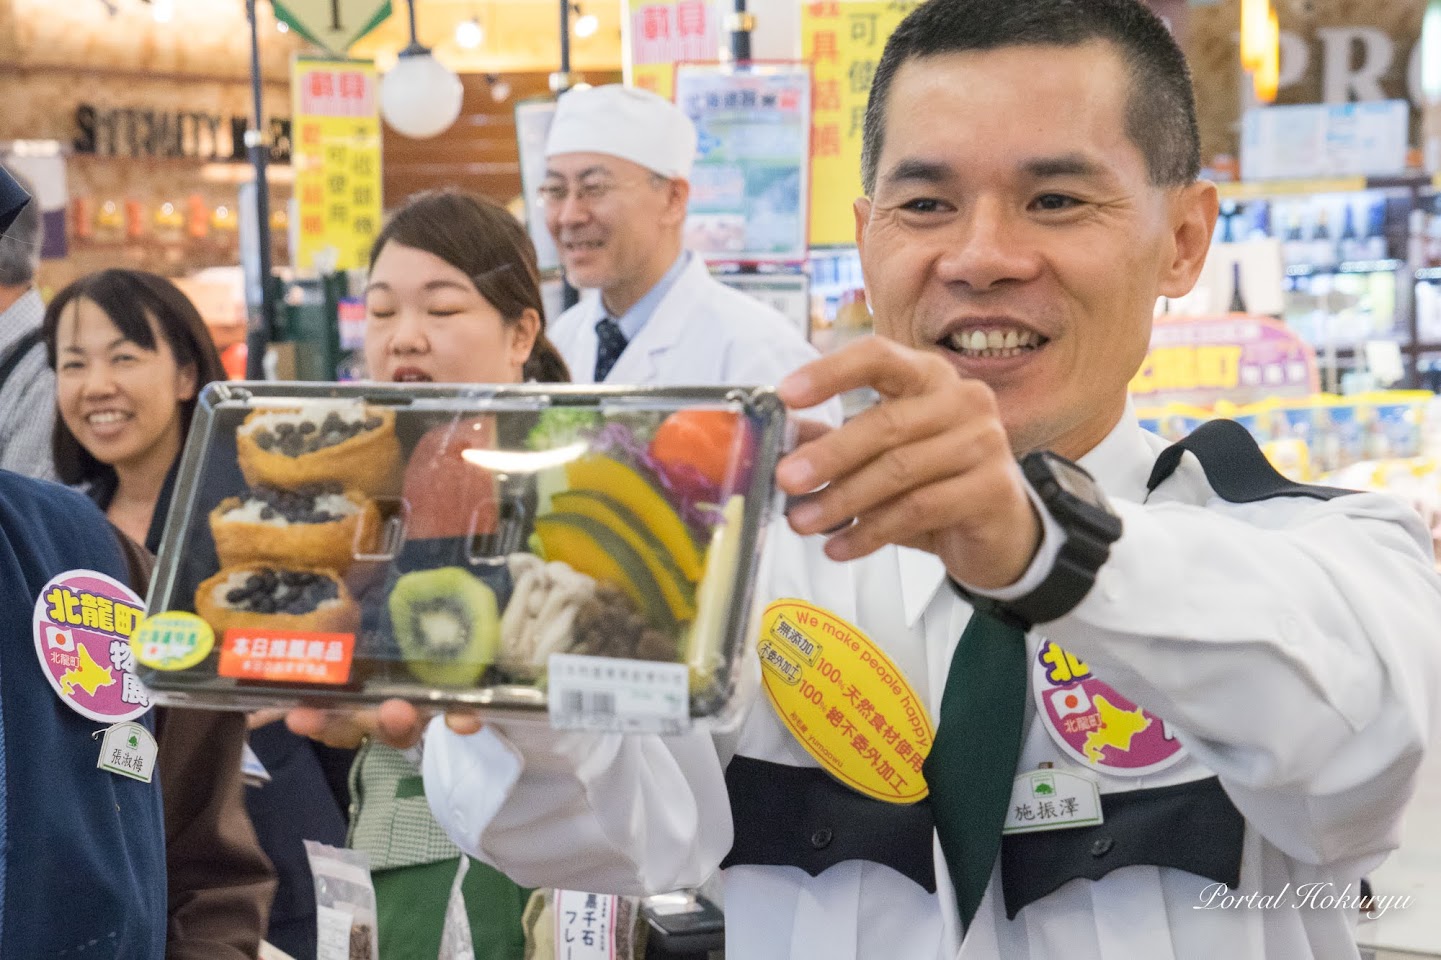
{"x":130,"y":354}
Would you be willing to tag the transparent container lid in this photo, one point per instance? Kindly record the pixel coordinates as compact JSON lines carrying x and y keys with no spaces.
{"x":344,"y":544}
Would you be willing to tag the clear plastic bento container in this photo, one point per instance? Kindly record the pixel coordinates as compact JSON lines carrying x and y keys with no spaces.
{"x":344,"y":544}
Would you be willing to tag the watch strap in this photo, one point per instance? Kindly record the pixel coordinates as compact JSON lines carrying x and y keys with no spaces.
{"x":1087,"y":546}
{"x":1070,"y":580}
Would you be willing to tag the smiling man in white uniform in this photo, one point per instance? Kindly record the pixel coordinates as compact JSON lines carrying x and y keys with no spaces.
{"x":1246,"y":670}
{"x":618,"y":163}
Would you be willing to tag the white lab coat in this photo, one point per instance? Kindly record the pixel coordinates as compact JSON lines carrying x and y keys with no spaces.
{"x":702,"y":332}
{"x":1291,"y":645}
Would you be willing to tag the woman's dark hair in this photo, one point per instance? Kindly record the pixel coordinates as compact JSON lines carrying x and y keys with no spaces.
{"x":131,"y":299}
{"x":482,"y":240}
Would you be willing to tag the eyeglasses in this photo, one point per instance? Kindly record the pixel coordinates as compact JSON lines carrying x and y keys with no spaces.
{"x":588,"y":192}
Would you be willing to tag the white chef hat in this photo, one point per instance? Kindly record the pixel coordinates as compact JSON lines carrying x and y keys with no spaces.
{"x":620,"y":121}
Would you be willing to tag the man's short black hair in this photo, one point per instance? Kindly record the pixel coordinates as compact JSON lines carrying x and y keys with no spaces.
{"x":1161,"y":114}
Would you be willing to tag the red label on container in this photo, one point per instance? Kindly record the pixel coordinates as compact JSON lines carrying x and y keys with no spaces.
{"x":287,"y":656}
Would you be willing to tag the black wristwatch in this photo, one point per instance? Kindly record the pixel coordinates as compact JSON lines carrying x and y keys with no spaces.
{"x":1074,"y":499}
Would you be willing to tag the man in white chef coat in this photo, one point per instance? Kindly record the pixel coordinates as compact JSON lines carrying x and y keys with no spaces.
{"x":618,"y":165}
{"x":1211,"y":730}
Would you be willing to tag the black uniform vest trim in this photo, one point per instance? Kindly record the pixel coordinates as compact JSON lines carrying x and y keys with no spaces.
{"x":1235,"y":466}
{"x":1189,"y":826}
{"x":788,"y":816}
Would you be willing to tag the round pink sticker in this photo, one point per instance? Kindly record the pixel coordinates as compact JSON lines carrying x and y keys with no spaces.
{"x":1093,"y":723}
{"x":83,"y":622}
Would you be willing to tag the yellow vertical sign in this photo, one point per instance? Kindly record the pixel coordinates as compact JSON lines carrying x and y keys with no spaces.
{"x":843,"y":40}
{"x":335,"y":133}
{"x":661,"y":33}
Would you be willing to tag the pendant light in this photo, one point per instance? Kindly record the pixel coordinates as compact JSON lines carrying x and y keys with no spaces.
{"x":420,"y":96}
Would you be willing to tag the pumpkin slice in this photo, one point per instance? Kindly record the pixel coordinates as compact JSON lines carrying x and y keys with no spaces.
{"x":601,"y":474}
{"x":678,"y":592}
{"x":592,"y":548}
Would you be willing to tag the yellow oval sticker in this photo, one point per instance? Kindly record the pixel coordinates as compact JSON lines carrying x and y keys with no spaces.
{"x":172,"y":641}
{"x":845,"y":701}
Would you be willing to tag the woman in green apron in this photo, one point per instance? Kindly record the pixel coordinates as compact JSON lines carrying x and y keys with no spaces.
{"x":453,"y":297}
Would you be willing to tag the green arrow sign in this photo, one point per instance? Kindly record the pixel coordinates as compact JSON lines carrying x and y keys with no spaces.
{"x":333,"y":24}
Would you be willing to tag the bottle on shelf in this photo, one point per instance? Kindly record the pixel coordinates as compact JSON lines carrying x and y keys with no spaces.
{"x":1261,"y":222}
{"x":1228,"y":222}
{"x":1238,"y":298}
{"x":1375,"y":246}
{"x":1348,"y":245}
{"x":1322,"y":247}
{"x":1433,"y":236}
{"x":1416,"y":237}
{"x":1293,"y":247}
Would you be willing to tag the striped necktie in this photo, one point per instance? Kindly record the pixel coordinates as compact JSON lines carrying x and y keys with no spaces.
{"x":972,"y":763}
{"x":611,"y":344}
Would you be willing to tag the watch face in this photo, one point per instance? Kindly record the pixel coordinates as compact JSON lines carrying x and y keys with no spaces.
{"x":1076,"y":482}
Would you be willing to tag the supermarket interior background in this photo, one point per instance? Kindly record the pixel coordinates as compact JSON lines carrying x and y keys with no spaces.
{"x":1316,"y":323}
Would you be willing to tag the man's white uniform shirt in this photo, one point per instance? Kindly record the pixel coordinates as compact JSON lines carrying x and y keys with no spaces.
{"x":1291,"y":645}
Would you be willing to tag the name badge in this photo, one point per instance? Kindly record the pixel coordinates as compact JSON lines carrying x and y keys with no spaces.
{"x":1052,"y":800}
{"x":129,"y":750}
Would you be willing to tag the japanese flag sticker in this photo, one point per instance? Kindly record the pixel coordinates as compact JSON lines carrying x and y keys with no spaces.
{"x":83,"y":623}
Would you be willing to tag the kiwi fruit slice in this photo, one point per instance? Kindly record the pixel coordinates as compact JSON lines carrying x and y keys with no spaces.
{"x":447,"y":624}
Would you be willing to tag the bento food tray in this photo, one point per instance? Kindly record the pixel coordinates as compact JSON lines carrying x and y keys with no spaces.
{"x":345,"y":544}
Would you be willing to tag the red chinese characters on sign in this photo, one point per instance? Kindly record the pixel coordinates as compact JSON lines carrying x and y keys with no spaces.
{"x":690,"y":16}
{"x":352,"y":86}
{"x":828,"y":95}
{"x":826,"y":141}
{"x":319,"y":86}
{"x":337,"y":93}
{"x":655,"y":23}
{"x":827,"y":47}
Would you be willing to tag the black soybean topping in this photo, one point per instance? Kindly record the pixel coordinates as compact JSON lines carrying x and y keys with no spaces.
{"x":296,"y":506}
{"x":295,"y":439}
{"x":282,"y":591}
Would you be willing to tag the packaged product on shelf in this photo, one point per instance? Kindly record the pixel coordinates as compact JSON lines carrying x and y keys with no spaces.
{"x":1345,"y":444}
{"x":345,"y":544}
{"x":1175,"y":420}
{"x":1306,"y":438}
{"x":1399,"y":416}
{"x":1416,"y":480}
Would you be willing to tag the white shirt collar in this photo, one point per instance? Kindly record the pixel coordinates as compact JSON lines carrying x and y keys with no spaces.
{"x":1122,"y":461}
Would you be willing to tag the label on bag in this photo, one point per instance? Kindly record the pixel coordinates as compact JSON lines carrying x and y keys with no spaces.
{"x":174,"y":640}
{"x":286,"y":656}
{"x":584,"y":925}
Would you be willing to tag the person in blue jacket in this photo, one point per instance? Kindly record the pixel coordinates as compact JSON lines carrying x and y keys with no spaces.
{"x":83,"y":849}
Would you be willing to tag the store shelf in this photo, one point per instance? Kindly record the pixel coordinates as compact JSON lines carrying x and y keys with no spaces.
{"x":1261,"y":189}
{"x":1350,"y":266}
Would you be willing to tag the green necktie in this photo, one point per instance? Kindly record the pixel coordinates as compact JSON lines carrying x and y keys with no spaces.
{"x":972,"y":763}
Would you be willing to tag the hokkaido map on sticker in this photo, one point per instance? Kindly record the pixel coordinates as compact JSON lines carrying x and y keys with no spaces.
{"x":1093,"y":723}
